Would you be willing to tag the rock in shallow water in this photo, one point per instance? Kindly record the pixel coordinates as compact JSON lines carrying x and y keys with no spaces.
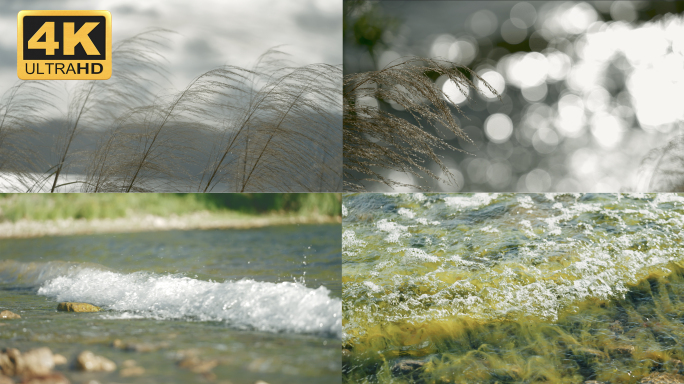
{"x":407,"y":367}
{"x":51,"y":378}
{"x":88,"y":361}
{"x":663,"y":378}
{"x":139,"y":347}
{"x":36,"y":362}
{"x":9,"y":315}
{"x":77,"y":307}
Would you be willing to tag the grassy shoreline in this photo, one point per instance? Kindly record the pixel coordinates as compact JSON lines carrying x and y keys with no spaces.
{"x":25,"y":228}
{"x":35,"y":215}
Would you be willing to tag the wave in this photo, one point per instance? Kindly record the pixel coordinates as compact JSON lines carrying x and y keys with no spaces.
{"x":245,"y":304}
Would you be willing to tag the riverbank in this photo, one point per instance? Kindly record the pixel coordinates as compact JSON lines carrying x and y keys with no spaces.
{"x":25,"y":228}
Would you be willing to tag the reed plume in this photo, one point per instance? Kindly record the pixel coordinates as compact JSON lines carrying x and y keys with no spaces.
{"x":283,"y":134}
{"x":662,"y":169}
{"x":22,"y":107}
{"x":274,"y":127}
{"x":375,"y":138}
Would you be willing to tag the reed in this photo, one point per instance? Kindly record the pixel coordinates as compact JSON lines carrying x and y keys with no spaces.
{"x":376,"y":139}
{"x":661,"y":170}
{"x":273,"y":127}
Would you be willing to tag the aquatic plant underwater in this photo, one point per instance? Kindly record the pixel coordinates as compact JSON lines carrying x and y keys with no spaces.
{"x":275,"y":126}
{"x":512,"y":288}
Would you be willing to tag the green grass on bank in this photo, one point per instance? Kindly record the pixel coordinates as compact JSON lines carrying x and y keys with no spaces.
{"x":40,"y":207}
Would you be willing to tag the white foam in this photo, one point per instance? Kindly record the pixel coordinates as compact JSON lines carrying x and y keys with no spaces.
{"x":406,"y":212}
{"x":394,"y":230}
{"x":474,"y":201}
{"x":244,"y":304}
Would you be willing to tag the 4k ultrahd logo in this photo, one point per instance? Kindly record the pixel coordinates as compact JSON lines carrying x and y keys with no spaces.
{"x":64,"y":45}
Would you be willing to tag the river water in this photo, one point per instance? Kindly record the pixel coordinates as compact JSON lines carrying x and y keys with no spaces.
{"x":265,"y":303}
{"x":512,"y":288}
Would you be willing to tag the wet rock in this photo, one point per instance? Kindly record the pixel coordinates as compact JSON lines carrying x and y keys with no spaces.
{"x":132,"y":371}
{"x":622,"y":350}
{"x":38,"y":362}
{"x":59,"y":359}
{"x":129,"y":363}
{"x":196,"y":365}
{"x":407,"y":367}
{"x":88,"y":361}
{"x":131,"y":368}
{"x":139,"y":347}
{"x":35,"y":362}
{"x":9,"y":315}
{"x":675,"y":365}
{"x":77,"y":307}
{"x":663,"y":378}
{"x":6,"y":365}
{"x":50,"y":378}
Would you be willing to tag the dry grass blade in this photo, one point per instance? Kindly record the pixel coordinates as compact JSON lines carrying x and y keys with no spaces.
{"x":22,"y":108}
{"x":662,"y":169}
{"x":275,"y":127}
{"x":283,"y":135}
{"x":374,"y":138}
{"x":129,"y":91}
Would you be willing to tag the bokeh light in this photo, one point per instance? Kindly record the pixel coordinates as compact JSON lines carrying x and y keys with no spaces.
{"x":456,"y":93}
{"x":498,"y":128}
{"x":495,"y":80}
{"x":586,"y":89}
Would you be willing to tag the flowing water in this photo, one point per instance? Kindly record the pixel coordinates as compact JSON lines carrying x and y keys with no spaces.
{"x":264,"y":303}
{"x":512,"y":288}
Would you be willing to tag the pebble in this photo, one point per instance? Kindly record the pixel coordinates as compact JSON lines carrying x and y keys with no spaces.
{"x":663,"y":378}
{"x":9,"y":315}
{"x":198,"y":366}
{"x":406,"y":367}
{"x":88,"y":361}
{"x":139,"y":347}
{"x":59,"y":359}
{"x":51,"y":378}
{"x":35,"y":362}
{"x":77,"y":307}
{"x":624,"y":350}
{"x":132,"y":371}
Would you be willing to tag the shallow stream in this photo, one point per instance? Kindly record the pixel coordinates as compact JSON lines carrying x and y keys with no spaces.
{"x":512,"y":288}
{"x":264,"y":303}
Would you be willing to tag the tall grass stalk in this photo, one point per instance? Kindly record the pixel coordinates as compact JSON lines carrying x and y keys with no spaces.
{"x":274,"y":127}
{"x":377,"y":139}
{"x":662,"y":169}
{"x":22,"y":106}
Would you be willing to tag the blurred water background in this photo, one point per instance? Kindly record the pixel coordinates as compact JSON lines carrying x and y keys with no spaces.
{"x":587,"y":88}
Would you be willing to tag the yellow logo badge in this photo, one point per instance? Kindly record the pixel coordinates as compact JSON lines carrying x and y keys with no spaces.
{"x":64,"y":45}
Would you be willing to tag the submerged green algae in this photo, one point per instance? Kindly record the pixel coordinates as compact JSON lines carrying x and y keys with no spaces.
{"x":512,"y":288}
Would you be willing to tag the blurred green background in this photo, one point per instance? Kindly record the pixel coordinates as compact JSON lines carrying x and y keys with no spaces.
{"x":15,"y":207}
